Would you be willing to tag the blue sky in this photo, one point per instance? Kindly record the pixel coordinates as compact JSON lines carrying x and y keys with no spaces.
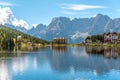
{"x":42,"y":11}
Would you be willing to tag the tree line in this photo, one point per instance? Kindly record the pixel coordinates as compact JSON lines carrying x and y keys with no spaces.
{"x":96,"y":38}
{"x":7,"y":37}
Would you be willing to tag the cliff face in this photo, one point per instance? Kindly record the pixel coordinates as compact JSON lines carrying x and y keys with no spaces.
{"x":75,"y":30}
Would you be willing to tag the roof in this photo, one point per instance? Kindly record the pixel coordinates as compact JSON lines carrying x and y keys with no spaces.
{"x":110,"y":33}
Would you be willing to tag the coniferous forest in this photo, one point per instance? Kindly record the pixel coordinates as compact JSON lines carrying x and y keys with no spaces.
{"x":10,"y":37}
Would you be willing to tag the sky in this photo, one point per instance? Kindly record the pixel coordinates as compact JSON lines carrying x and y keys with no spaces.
{"x":32,"y":12}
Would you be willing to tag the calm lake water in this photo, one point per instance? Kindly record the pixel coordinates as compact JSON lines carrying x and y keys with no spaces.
{"x":61,"y":63}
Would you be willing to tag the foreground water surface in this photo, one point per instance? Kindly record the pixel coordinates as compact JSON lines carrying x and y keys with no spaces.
{"x":61,"y":63}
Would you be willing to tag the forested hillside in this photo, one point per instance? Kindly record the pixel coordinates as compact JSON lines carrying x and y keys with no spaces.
{"x":9,"y":36}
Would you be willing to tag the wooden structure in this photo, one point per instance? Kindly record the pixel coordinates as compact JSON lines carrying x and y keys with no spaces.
{"x":59,"y":40}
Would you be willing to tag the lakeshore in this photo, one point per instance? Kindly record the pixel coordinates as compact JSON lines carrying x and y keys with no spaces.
{"x":101,"y":44}
{"x":57,"y":62}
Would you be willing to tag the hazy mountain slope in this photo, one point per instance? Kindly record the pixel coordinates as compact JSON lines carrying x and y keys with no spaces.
{"x":113,"y":25}
{"x":76,"y":29}
{"x":19,"y":28}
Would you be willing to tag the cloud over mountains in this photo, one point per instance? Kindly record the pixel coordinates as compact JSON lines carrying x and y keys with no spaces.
{"x":7,"y":17}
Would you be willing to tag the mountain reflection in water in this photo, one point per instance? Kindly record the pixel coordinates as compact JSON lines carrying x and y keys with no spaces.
{"x":54,"y":62}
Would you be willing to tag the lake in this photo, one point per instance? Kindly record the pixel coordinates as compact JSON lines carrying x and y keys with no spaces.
{"x":61,"y":63}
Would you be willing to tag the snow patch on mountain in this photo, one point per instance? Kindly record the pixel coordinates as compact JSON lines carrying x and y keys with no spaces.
{"x":79,"y":35}
{"x":35,"y":25}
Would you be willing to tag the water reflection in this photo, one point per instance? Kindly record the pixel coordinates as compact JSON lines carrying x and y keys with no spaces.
{"x":20,"y":48}
{"x":35,"y":63}
{"x":74,"y":62}
{"x":11,"y":67}
{"x":4,"y":72}
{"x":59,"y":49}
{"x":86,"y":58}
{"x":107,"y":52}
{"x":17,"y":51}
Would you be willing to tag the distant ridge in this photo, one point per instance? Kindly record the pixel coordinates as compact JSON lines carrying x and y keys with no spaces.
{"x":76,"y":29}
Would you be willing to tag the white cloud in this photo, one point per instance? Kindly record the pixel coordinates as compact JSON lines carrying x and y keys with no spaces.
{"x":21,"y":23}
{"x":7,"y":17}
{"x":5,"y":4}
{"x":80,"y":6}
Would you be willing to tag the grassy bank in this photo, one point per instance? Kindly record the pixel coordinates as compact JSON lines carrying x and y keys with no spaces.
{"x":96,"y":44}
{"x":102,"y":44}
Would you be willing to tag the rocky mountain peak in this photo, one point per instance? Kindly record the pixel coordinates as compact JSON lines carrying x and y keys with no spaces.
{"x":74,"y":29}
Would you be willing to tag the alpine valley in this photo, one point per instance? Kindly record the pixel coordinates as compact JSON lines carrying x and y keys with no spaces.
{"x":75,"y":30}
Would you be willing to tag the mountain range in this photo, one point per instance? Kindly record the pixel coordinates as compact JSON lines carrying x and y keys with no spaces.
{"x":75,"y":30}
